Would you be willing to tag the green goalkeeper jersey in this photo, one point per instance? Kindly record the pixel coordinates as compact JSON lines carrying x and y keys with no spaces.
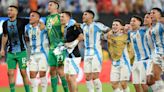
{"x":53,"y":26}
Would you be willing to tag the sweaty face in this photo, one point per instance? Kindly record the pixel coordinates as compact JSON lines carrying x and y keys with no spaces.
{"x":135,"y":23}
{"x":52,"y":6}
{"x":87,"y":16}
{"x":12,"y":12}
{"x":34,"y":18}
{"x":155,"y":15}
{"x":116,"y":26}
{"x":147,"y":19}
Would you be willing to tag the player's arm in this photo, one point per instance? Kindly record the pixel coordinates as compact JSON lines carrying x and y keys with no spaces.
{"x":41,"y":24}
{"x":77,"y":40}
{"x":4,"y":39}
{"x":26,"y":33}
{"x":127,"y":27}
{"x":161,"y":20}
{"x":102,"y":27}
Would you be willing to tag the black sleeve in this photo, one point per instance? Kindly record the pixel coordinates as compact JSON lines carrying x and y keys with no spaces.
{"x":4,"y":27}
{"x":78,"y":31}
{"x":26,"y":21}
{"x":72,"y":33}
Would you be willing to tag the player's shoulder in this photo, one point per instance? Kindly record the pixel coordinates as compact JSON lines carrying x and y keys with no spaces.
{"x":72,"y":21}
{"x":5,"y":22}
{"x":22,"y":19}
{"x":28,"y":25}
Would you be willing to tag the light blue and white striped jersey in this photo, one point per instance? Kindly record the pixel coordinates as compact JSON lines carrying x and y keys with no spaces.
{"x":125,"y":58}
{"x":38,"y":39}
{"x":92,"y":41}
{"x":138,"y":43}
{"x":149,"y":42}
{"x":158,"y":38}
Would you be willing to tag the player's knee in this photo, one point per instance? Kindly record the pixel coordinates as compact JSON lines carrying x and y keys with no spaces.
{"x":88,"y":77}
{"x":150,"y":80}
{"x":61,"y":73}
{"x":23,"y":73}
{"x":10,"y":73}
{"x":95,"y":76}
{"x":124,"y":84}
{"x":53,"y":71}
{"x":32,"y":76}
{"x":42,"y":74}
{"x":145,"y":87}
{"x":67,"y":78}
{"x":115,"y":85}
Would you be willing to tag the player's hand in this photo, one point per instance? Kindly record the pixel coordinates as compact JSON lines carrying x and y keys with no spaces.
{"x":77,"y":24}
{"x":127,"y":27}
{"x":109,"y":34}
{"x":2,"y":52}
{"x":42,"y":26}
{"x":161,"y":20}
{"x":80,"y":37}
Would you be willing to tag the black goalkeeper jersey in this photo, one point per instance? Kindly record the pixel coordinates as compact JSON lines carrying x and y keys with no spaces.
{"x":16,"y":34}
{"x":71,"y":35}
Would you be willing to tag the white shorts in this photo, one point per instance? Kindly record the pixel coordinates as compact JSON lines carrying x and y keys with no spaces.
{"x":92,"y":64}
{"x":149,"y":70}
{"x":38,"y":62}
{"x":159,"y":60}
{"x":139,"y":72}
{"x":120,"y":73}
{"x":72,"y":65}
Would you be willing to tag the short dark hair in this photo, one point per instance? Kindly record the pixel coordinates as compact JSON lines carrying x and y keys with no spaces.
{"x":158,"y":9}
{"x":55,"y":2}
{"x":13,"y":6}
{"x":91,"y":12}
{"x":36,"y":13}
{"x":138,"y":18}
{"x":120,"y":21}
{"x":67,"y":13}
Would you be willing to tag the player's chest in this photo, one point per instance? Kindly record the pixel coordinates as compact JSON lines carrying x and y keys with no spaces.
{"x":34,"y":33}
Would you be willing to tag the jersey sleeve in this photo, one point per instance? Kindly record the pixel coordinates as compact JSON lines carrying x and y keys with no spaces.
{"x":26,"y":30}
{"x":78,"y":31}
{"x":102,"y":27}
{"x":4,"y":26}
{"x":161,"y":27}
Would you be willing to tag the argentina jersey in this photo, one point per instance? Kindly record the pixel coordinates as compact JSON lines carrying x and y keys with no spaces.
{"x":38,"y":39}
{"x":158,"y":39}
{"x":125,"y":59}
{"x":92,"y":41}
{"x":138,"y":43}
{"x":149,"y":43}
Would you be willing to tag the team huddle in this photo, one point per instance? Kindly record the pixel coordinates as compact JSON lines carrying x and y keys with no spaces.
{"x":136,"y":50}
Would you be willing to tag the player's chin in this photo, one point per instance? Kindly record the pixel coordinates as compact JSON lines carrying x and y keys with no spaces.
{"x":150,"y":80}
{"x":31,"y":22}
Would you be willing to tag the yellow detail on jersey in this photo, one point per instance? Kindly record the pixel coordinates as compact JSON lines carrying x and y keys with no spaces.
{"x":116,"y":45}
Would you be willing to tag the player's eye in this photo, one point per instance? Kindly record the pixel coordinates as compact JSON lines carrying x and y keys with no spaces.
{"x":32,"y":15}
